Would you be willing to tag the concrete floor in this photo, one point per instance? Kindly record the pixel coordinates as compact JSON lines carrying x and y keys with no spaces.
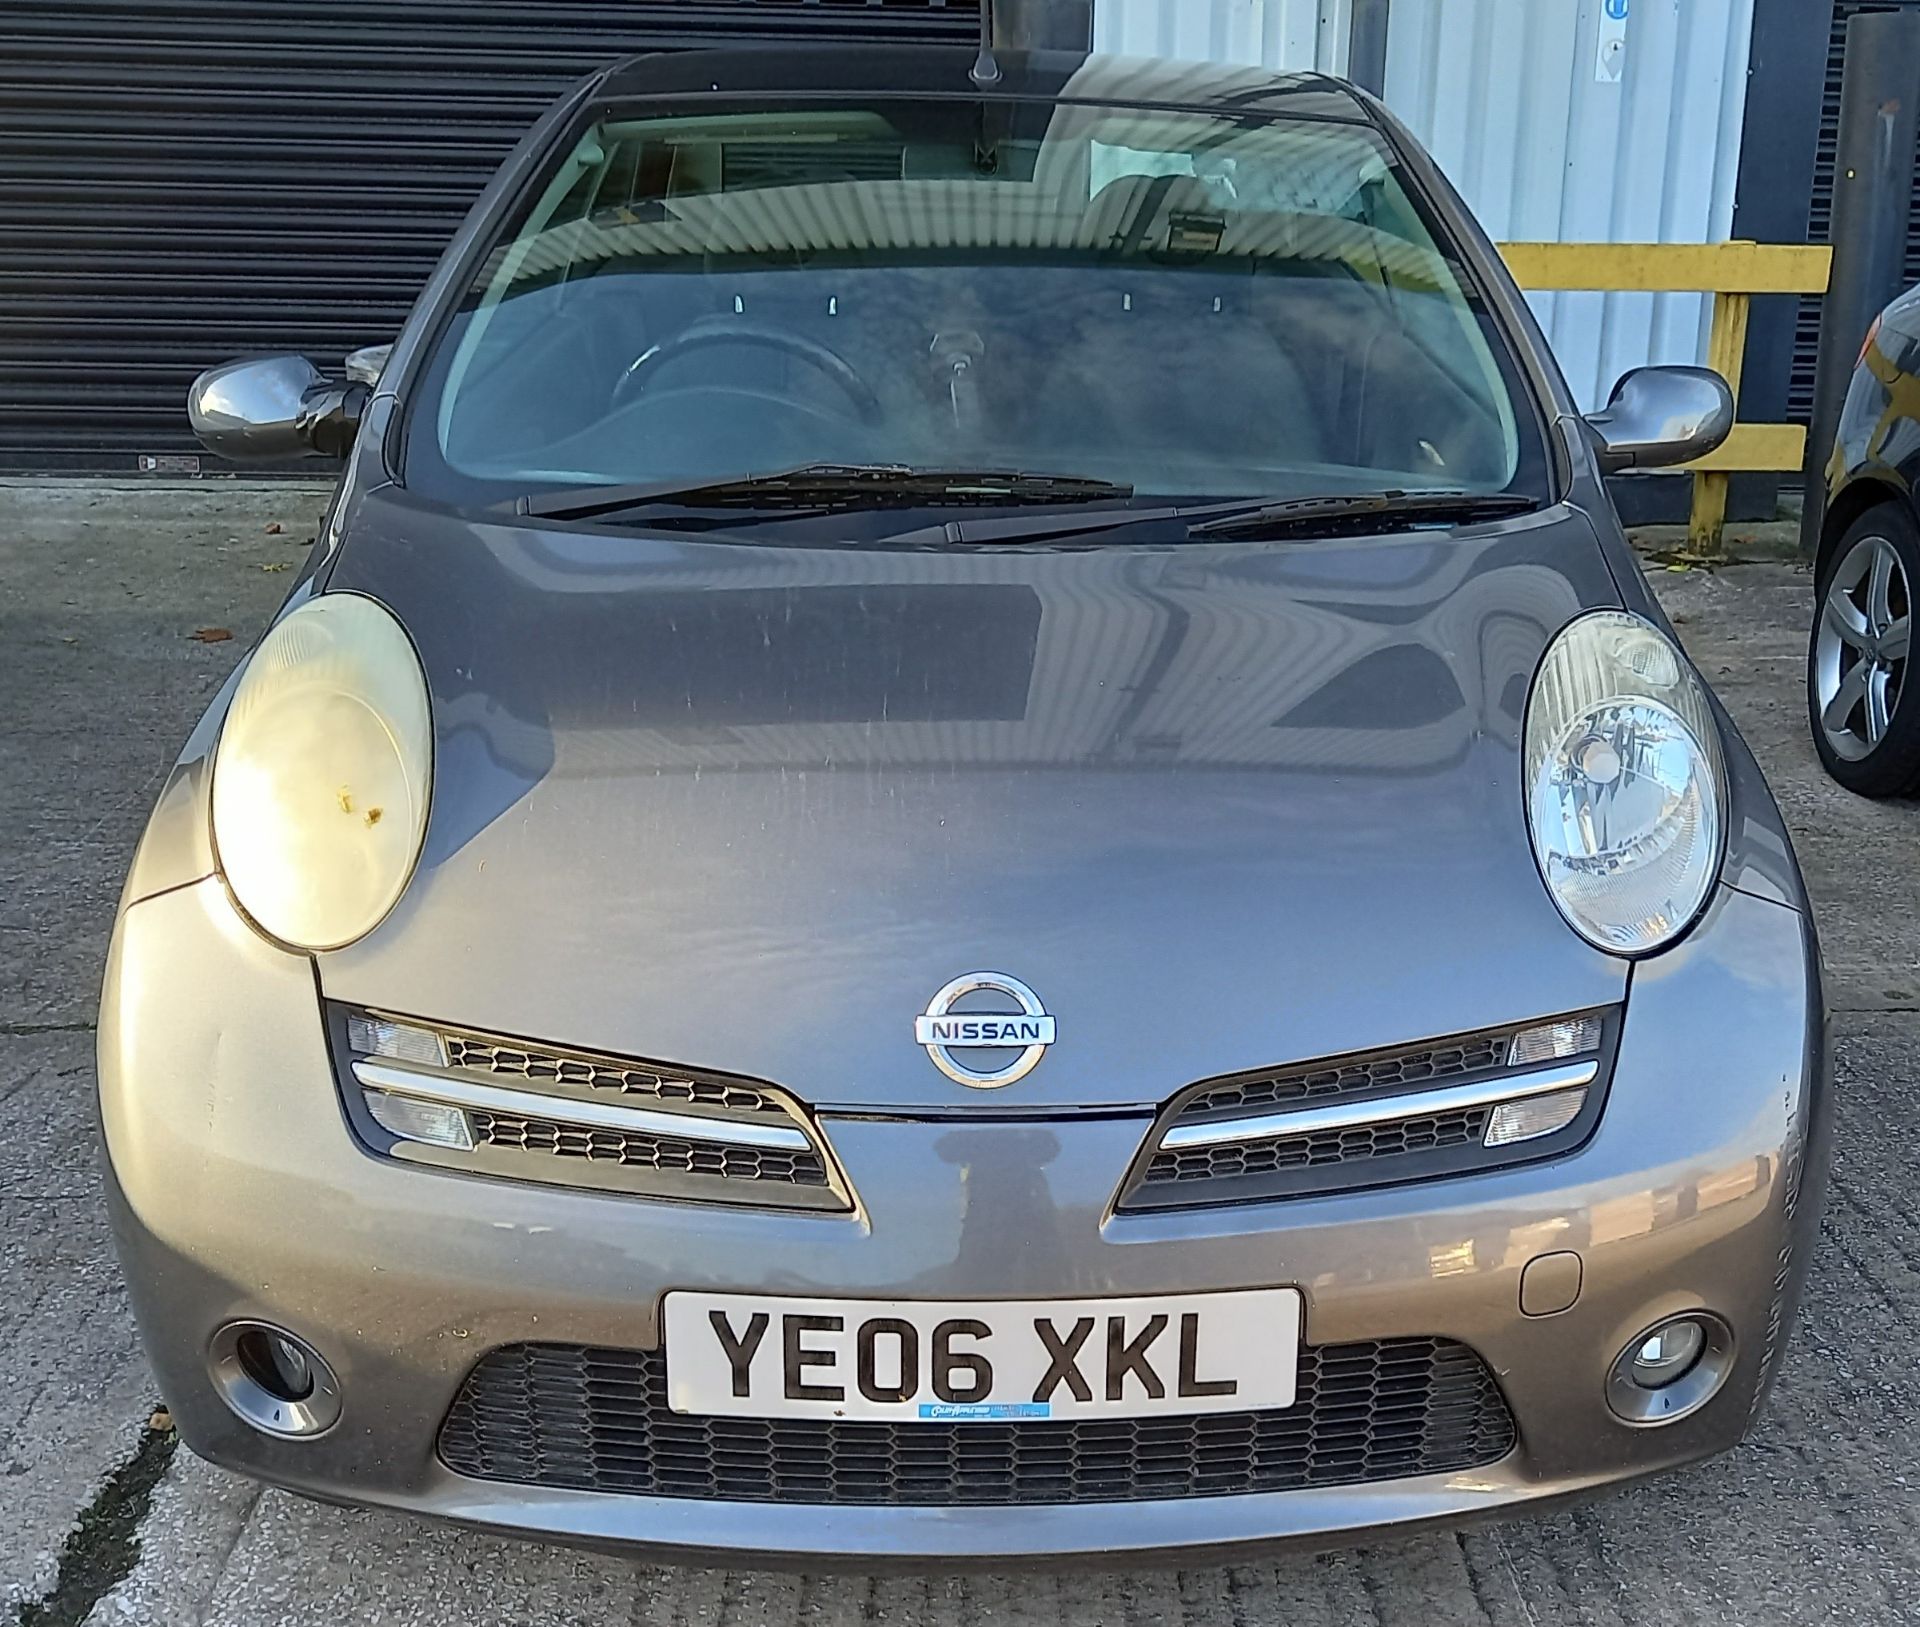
{"x":100,"y":594}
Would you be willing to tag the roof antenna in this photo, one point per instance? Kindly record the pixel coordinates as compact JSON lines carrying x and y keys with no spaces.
{"x":985,"y":70}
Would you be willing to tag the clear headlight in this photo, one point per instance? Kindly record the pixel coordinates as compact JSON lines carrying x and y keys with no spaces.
{"x":323,"y":772}
{"x":1625,"y":796}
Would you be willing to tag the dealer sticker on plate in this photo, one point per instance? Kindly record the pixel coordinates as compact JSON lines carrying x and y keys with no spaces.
{"x":981,"y":1361}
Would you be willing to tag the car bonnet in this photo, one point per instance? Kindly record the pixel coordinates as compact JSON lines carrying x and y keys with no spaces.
{"x":748,"y":809}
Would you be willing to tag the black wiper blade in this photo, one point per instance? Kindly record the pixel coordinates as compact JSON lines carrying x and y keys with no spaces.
{"x":826,"y":485}
{"x":1364,"y":511}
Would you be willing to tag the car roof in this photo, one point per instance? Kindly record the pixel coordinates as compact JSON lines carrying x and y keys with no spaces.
{"x":876,"y":69}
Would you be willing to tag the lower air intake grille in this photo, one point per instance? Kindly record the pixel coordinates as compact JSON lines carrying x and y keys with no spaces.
{"x":586,"y":1419}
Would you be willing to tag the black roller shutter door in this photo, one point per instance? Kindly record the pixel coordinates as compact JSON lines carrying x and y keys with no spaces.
{"x":186,"y":180}
{"x":1806,"y":339}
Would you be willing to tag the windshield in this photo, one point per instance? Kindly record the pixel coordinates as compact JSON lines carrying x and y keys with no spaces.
{"x":1182,"y":303}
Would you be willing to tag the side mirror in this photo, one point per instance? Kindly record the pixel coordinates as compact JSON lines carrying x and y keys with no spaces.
{"x":1659,"y":416}
{"x":271,"y":408}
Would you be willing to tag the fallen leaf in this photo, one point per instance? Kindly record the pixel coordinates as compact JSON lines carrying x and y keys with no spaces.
{"x":274,"y":528}
{"x":277,"y":565}
{"x":210,"y":635}
{"x":161,"y":1421}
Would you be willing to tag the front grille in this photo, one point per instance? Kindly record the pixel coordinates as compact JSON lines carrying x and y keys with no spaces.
{"x":1390,"y":1139}
{"x":635,"y":1150}
{"x":605,"y":1073}
{"x":586,"y":1419}
{"x":520,"y":1110}
{"x":1349,"y":1076}
{"x":1374,"y":1118}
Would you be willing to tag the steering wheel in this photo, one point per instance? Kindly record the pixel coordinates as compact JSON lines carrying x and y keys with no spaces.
{"x":712,"y":332}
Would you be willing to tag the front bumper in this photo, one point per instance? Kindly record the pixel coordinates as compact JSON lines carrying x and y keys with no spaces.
{"x":237,"y":1191}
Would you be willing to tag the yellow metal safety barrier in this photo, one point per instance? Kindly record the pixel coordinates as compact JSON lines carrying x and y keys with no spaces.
{"x":1733,"y":273}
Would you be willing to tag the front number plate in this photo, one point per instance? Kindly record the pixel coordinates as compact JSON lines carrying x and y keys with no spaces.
{"x":915,"y":1361}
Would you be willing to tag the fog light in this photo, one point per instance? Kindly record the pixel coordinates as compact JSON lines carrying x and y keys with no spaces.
{"x":1675,"y":1367}
{"x":273,"y":1379}
{"x":276,"y":1364}
{"x":1668,"y":1353}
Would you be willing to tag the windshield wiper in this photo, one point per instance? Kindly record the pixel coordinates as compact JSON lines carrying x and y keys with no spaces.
{"x":1364,"y":512}
{"x":827,"y":485}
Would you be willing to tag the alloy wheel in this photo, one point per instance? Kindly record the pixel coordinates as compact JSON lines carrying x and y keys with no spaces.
{"x":1860,"y":651}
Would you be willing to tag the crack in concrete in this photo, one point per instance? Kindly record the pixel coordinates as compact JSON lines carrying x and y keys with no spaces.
{"x":232,"y":1547}
{"x":104,"y":1543}
{"x":16,"y":1030}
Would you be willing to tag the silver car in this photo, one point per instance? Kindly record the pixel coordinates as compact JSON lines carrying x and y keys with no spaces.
{"x":971,"y":842}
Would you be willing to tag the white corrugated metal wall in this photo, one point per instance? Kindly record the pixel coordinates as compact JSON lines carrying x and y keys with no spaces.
{"x":1271,"y":33}
{"x":1559,"y":120}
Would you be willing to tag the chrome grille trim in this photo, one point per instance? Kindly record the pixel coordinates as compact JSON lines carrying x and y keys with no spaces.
{"x":441,"y":1087}
{"x":1370,"y":1072}
{"x":1378,"y":1110}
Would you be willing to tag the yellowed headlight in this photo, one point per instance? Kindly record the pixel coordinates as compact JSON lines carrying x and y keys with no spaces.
{"x":323,"y":772}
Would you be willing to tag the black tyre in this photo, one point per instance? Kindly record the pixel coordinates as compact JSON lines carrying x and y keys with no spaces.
{"x":1864,"y":707}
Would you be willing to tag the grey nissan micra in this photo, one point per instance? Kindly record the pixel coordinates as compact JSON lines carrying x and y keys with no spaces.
{"x":971,"y":842}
